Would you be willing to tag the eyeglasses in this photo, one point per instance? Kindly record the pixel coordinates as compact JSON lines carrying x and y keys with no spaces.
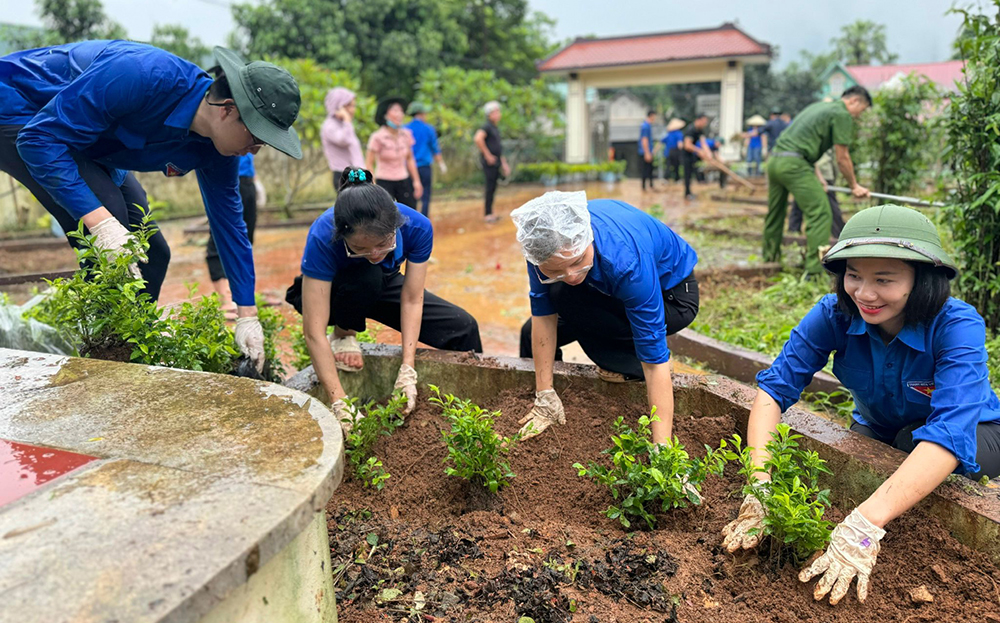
{"x":256,"y":141}
{"x":373,"y":252}
{"x":569,"y":273}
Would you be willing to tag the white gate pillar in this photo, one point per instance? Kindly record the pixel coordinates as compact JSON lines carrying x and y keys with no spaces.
{"x":577,"y":128}
{"x":731,"y":108}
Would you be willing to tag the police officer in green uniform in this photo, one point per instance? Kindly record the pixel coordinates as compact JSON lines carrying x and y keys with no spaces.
{"x":791,"y":169}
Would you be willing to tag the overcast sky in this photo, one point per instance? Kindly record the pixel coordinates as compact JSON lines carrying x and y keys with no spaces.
{"x":918,"y":30}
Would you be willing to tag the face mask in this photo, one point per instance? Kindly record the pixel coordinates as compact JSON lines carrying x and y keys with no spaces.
{"x":391,"y":124}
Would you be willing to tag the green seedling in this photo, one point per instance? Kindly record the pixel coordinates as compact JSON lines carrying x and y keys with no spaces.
{"x":475,"y":451}
{"x":643,"y":478}
{"x":366,"y":429}
{"x":793,"y":502}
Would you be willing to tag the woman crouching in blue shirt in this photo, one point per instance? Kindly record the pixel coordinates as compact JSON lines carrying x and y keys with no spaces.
{"x":350,"y":272}
{"x":612,"y":278}
{"x":915,"y":361}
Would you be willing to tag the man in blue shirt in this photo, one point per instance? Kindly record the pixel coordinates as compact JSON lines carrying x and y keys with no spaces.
{"x":425,"y":151}
{"x":771,"y":131}
{"x":612,"y":278}
{"x":74,"y":118}
{"x":249,"y":199}
{"x":673,"y":147}
{"x":646,"y":149}
{"x":915,"y":362}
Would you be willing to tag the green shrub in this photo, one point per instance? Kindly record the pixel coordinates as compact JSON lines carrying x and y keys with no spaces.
{"x":792,"y":499}
{"x":366,"y":429}
{"x":642,"y":480}
{"x":300,"y":352}
{"x":475,"y":451}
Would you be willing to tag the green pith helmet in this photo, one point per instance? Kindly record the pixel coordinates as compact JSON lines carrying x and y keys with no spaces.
{"x":891,"y":231}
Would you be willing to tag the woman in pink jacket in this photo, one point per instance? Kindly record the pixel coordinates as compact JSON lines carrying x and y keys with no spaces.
{"x":340,"y":143}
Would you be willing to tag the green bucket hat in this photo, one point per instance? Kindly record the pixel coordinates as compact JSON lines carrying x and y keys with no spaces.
{"x":417,"y":108}
{"x":891,"y":231}
{"x":268,"y":99}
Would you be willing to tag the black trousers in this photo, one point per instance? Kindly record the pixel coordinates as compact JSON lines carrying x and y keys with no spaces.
{"x":987,"y":444}
{"x":795,"y":216}
{"x":492,"y":173}
{"x":647,"y":172}
{"x":363,"y":290}
{"x":598,"y":322}
{"x":674,"y":165}
{"x":690,"y":159}
{"x":426,"y":178}
{"x":401,"y":191}
{"x":120,"y":201}
{"x":248,"y":195}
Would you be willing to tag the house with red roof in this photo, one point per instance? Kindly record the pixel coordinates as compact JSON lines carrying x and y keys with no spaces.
{"x":678,"y":57}
{"x":839,"y":77}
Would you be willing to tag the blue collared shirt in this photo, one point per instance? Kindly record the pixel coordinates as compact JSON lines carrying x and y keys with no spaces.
{"x":934,"y":373}
{"x":645,"y":131}
{"x":127,"y":106}
{"x":425,"y":145}
{"x":636,"y":258}
{"x":324,"y":256}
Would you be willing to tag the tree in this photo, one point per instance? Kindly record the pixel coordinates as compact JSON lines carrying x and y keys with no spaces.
{"x":176,"y":39}
{"x":863,"y":43}
{"x":389,"y":42}
{"x":67,"y":21}
{"x":973,"y":149}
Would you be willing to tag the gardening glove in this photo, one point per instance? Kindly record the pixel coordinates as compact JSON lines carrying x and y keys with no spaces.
{"x":344,"y":415}
{"x":250,"y":340}
{"x":112,"y":235}
{"x":737,"y":532}
{"x":406,"y":380}
{"x":853,"y":549}
{"x":548,"y":410}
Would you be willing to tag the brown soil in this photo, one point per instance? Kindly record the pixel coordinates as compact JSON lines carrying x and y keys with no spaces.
{"x":548,"y":552}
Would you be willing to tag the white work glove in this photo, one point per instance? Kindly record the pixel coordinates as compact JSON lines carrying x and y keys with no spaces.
{"x":406,"y":380}
{"x":548,"y":410}
{"x":442,"y":166}
{"x":853,"y":550}
{"x":737,"y":531}
{"x":112,"y":235}
{"x":345,"y":415}
{"x":250,"y":340}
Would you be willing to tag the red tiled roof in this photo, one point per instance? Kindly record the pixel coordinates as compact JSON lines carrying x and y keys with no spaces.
{"x":871,"y":77}
{"x":725,"y":41}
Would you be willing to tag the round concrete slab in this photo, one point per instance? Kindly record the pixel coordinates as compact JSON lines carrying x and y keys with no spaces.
{"x":199,"y":480}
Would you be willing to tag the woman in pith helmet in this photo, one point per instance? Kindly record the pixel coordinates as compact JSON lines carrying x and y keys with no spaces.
{"x":915,"y":361}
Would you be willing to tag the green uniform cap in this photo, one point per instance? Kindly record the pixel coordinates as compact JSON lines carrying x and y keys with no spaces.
{"x":891,"y":231}
{"x":417,"y":108}
{"x":268,"y":99}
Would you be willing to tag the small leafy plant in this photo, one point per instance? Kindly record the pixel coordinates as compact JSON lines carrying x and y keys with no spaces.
{"x":643,"y":478}
{"x":366,"y":429}
{"x":793,"y":502}
{"x":475,"y":451}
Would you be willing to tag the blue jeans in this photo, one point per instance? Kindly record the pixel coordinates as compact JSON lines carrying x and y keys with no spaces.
{"x":754,"y":158}
{"x":425,"y":180}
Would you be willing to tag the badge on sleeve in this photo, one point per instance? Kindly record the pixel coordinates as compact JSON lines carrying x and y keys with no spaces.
{"x":924,"y":387}
{"x":173,"y":170}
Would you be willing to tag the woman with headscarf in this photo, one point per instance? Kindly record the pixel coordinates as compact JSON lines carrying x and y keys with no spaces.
{"x":341,"y":145}
{"x":390,"y":154}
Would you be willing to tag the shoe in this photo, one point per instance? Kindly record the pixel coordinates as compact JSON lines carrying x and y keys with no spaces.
{"x":690,"y":198}
{"x":616,"y":377}
{"x":492,"y":218}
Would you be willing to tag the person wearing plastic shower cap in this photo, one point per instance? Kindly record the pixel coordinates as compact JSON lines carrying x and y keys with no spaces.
{"x":614,"y":279}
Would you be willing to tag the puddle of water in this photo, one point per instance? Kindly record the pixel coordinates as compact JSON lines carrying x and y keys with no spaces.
{"x":24,"y":468}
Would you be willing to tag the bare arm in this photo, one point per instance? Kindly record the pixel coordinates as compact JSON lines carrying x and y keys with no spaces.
{"x":923,"y":470}
{"x":764,"y":417}
{"x":480,"y":139}
{"x":412,"y":309}
{"x":819,"y":176}
{"x":411,"y":166}
{"x":660,"y":392}
{"x":543,"y":349}
{"x":763,"y":143}
{"x":370,"y":161}
{"x":845,"y":165}
{"x":315,"y":316}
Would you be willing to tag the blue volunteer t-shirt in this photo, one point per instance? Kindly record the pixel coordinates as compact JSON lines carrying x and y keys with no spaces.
{"x":425,"y":145}
{"x":645,"y":131}
{"x":246,"y":166}
{"x":673,"y":140}
{"x":934,"y":373}
{"x":636,"y":258}
{"x":324,"y":256}
{"x":754,"y":139}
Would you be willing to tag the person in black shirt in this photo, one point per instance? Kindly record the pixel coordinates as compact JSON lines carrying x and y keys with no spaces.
{"x":488,"y":141}
{"x":772,"y":130}
{"x":695,"y":147}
